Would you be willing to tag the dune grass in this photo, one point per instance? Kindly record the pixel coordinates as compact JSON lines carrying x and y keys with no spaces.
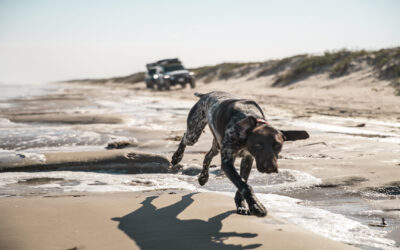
{"x":310,"y":65}
{"x":343,"y":66}
{"x":385,"y":62}
{"x":220,"y":71}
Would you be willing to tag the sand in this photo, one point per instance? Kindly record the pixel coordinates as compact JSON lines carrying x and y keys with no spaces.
{"x":154,"y":220}
{"x":350,"y":161}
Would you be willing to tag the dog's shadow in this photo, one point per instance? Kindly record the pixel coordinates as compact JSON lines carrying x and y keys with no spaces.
{"x":153,"y":228}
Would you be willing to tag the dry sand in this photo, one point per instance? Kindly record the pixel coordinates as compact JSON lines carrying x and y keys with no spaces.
{"x":155,"y":220}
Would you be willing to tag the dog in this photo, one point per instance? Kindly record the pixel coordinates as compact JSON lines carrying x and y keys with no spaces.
{"x":239,"y":129}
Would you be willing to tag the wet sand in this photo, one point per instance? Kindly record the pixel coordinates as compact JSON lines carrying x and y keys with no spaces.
{"x":126,"y":161}
{"x":153,"y":220}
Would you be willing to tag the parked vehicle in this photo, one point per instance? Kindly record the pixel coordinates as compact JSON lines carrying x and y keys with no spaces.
{"x":167,"y":73}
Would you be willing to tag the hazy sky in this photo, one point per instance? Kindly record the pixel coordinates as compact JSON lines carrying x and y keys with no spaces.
{"x":46,"y":40}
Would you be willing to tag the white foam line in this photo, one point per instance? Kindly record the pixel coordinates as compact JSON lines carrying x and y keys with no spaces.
{"x":356,"y":120}
{"x":322,"y":222}
{"x":115,"y":182}
{"x":392,"y":137}
{"x":339,"y":129}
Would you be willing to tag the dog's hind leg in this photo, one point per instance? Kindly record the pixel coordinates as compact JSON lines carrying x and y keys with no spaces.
{"x":195,"y":125}
{"x":178,"y":155}
{"x":245,"y":169}
{"x":203,"y":177}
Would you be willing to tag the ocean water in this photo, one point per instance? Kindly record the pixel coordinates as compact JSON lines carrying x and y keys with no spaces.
{"x":149,"y":112}
{"x":23,"y":90}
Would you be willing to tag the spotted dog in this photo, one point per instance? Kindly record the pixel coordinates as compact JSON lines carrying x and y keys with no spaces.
{"x":240,"y":129}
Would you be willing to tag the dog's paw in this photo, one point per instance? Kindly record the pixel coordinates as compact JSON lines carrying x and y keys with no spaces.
{"x":242,"y":211}
{"x":174,"y":161}
{"x":176,"y":158}
{"x":175,"y":168}
{"x":203,"y":178}
{"x":258,"y":210}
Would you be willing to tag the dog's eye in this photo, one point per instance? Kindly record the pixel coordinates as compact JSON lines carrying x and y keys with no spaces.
{"x":257,"y":146}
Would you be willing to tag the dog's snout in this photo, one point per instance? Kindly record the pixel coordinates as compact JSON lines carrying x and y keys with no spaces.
{"x":271,"y":170}
{"x":271,"y":166}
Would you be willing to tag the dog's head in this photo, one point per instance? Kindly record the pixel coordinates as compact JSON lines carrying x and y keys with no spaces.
{"x":265,"y":142}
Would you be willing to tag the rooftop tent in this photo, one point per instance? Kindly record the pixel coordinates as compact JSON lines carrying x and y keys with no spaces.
{"x":151,"y":65}
{"x":169,"y":61}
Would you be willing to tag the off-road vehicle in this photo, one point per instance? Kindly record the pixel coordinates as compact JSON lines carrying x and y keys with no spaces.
{"x":168,"y":72}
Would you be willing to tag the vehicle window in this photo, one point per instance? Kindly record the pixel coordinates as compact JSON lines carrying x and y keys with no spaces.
{"x":173,"y":68}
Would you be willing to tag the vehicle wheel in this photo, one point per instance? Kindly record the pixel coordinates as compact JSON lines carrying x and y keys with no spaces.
{"x":159,"y":85}
{"x":183,"y":85}
{"x":192,"y":83}
{"x":167,"y":84}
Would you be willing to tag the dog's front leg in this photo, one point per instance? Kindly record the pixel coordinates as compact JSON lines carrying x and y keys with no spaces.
{"x":255,"y":206}
{"x":245,"y":169}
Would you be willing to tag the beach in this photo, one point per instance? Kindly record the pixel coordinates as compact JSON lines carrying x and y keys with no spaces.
{"x":103,"y":152}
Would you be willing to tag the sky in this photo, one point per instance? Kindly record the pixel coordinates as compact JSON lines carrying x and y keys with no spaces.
{"x":50,"y":40}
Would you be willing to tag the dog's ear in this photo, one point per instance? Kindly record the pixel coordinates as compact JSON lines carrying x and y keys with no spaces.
{"x":245,"y":125}
{"x":294,"y":135}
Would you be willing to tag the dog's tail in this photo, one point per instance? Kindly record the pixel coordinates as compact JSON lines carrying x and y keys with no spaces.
{"x":199,"y":95}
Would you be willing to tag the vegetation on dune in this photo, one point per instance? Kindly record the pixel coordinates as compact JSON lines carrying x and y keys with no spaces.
{"x":290,"y":70}
{"x":134,"y":78}
{"x":227,"y":69}
{"x":336,"y":64}
{"x":222,"y":71}
{"x":275,"y":66}
{"x":385,"y":63}
{"x":206,"y":72}
{"x":308,"y":66}
{"x":343,"y":66}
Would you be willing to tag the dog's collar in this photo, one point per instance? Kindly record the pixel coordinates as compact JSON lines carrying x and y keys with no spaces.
{"x":262,"y":121}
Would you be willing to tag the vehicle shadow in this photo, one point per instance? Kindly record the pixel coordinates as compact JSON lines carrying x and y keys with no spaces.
{"x":153,"y":228}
